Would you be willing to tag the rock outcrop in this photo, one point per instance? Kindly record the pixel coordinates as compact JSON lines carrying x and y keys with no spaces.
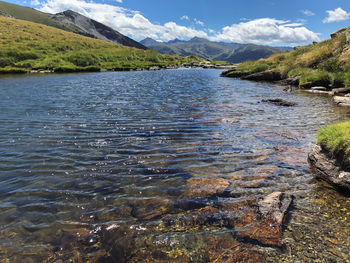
{"x":328,"y":169}
{"x":264,"y":76}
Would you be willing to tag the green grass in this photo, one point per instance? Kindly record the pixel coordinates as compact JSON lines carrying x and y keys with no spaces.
{"x":335,"y":139}
{"x":26,"y":46}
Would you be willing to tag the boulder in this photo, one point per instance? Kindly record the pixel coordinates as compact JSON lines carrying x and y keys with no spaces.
{"x":341,"y":101}
{"x":327,"y":169}
{"x":279,"y":102}
{"x":341,"y":91}
{"x":264,"y":76}
{"x":291,"y":81}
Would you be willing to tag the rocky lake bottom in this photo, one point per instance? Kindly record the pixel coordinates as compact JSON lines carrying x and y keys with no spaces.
{"x":162,"y":166}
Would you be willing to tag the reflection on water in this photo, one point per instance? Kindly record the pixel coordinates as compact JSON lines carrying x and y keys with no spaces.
{"x":153,"y":167}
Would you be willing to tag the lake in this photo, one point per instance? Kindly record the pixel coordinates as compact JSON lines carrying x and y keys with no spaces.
{"x":144,"y":166}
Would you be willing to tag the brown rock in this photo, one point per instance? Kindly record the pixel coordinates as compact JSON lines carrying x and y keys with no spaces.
{"x":227,"y":251}
{"x":267,"y":219}
{"x":151,"y":208}
{"x":205,"y":187}
{"x":327,"y":169}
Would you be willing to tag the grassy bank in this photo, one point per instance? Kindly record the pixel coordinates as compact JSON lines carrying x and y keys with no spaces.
{"x":335,"y":139}
{"x":26,"y":46}
{"x":325,"y":63}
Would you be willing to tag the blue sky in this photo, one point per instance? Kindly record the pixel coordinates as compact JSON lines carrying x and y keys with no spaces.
{"x":273,"y":22}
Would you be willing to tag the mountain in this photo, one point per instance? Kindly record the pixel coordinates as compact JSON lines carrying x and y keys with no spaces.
{"x":27,"y":46}
{"x":94,"y":28}
{"x":68,"y":21}
{"x":201,"y":47}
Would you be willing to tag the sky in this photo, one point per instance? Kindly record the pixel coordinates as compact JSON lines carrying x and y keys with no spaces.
{"x":271,"y":22}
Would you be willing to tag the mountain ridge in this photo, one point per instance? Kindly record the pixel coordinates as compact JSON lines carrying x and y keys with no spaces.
{"x":68,"y":21}
{"x":204,"y":48}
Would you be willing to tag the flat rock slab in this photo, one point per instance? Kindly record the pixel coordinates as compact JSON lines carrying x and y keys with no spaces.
{"x":341,"y":101}
{"x":279,"y":102}
{"x":327,"y":169}
{"x":319,"y":88}
{"x":320,"y":92}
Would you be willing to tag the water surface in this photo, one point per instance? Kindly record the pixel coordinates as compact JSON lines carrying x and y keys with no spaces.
{"x":115,"y":166}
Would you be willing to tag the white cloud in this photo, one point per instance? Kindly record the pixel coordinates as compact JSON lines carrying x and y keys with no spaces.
{"x":308,"y":12}
{"x":126,"y":21}
{"x":336,"y":15}
{"x":134,"y":24}
{"x":198,"y":22}
{"x":35,"y":2}
{"x":184,"y":18}
{"x":267,"y":31}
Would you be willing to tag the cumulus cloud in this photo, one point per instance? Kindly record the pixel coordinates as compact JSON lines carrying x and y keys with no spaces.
{"x":308,"y":12}
{"x":35,"y":2}
{"x":134,"y":24}
{"x":184,"y":18}
{"x":267,"y":31}
{"x":198,"y":22}
{"x":128,"y":22}
{"x":336,"y":15}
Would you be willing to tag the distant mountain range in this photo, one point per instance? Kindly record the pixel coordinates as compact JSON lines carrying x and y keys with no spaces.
{"x":231,"y":52}
{"x":68,"y":21}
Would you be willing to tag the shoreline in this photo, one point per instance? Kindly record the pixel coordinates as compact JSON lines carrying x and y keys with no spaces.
{"x":323,"y":164}
{"x":95,"y":69}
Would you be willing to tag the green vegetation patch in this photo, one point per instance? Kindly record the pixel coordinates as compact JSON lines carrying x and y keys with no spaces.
{"x":335,"y":139}
{"x":319,"y":64}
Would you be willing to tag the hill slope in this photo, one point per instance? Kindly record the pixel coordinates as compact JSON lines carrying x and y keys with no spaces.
{"x":320,"y":64}
{"x":230,"y":52}
{"x":69,"y":21}
{"x":26,"y":46}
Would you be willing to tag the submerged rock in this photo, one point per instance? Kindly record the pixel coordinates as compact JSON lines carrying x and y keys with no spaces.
{"x":226,"y":250}
{"x":327,"y":169}
{"x":205,"y":187}
{"x":279,"y":102}
{"x":267,"y":219}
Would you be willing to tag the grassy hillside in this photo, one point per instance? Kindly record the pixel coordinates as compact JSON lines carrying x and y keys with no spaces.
{"x":32,"y":15}
{"x":28,"y":46}
{"x":325,"y":63}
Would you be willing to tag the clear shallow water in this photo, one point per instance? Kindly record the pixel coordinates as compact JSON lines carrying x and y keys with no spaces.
{"x":112,"y":167}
